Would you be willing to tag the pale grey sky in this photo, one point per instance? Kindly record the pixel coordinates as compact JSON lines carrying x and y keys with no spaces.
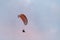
{"x":43,"y":16}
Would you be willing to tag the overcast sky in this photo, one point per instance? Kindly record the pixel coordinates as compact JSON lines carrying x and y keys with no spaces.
{"x":43,"y":17}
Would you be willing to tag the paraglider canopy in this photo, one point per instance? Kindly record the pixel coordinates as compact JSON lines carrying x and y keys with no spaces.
{"x":24,"y":18}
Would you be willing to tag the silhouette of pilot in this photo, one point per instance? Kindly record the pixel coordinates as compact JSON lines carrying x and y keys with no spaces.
{"x":23,"y":30}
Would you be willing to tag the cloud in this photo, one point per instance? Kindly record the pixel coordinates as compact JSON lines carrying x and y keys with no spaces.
{"x":30,"y":34}
{"x":33,"y":34}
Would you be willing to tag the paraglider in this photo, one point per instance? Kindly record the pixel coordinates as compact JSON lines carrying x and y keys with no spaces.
{"x":24,"y":19}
